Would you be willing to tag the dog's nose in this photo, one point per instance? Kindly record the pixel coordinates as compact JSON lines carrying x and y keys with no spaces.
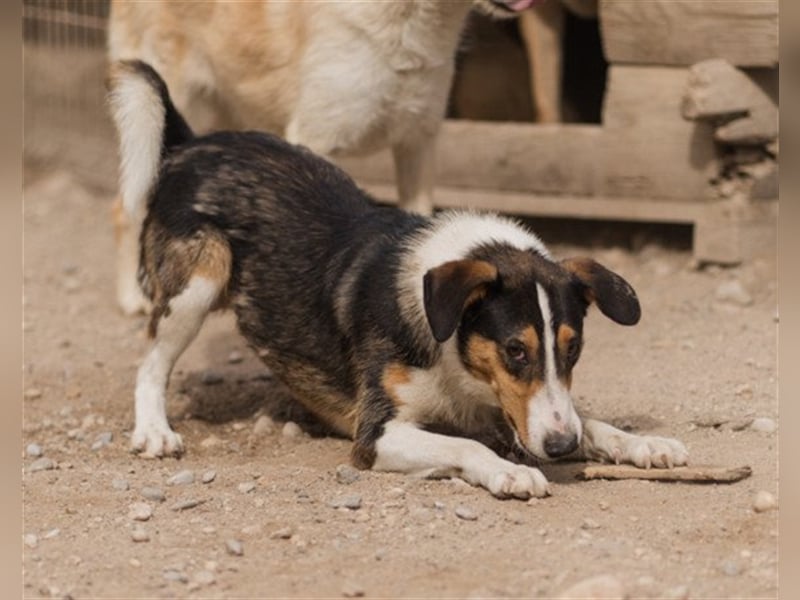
{"x":559,"y":444}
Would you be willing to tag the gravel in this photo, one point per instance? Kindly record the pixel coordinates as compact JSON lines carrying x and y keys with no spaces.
{"x":764,"y":501}
{"x":465,"y":513}
{"x":209,"y":476}
{"x":284,"y":533}
{"x":33,"y":450}
{"x":31,"y":540}
{"x":42,"y":464}
{"x":119,"y":484}
{"x":102,"y":440}
{"x":33,"y":394}
{"x":186,"y":504}
{"x":153,"y":493}
{"x":139,"y":534}
{"x":733,"y":292}
{"x":600,"y":586}
{"x":184,"y":477}
{"x":234,"y":547}
{"x":291,"y":430}
{"x":345,"y":474}
{"x":140,"y":511}
{"x":352,"y":590}
{"x":264,"y":426}
{"x":246,"y":487}
{"x":763,"y":424}
{"x":352,"y":502}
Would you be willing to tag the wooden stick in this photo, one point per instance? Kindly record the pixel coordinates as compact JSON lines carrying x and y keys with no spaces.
{"x":694,"y":473}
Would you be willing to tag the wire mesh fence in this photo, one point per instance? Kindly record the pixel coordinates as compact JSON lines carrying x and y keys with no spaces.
{"x":64,"y":61}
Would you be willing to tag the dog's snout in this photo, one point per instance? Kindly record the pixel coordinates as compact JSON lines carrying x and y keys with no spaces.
{"x":558,"y":444}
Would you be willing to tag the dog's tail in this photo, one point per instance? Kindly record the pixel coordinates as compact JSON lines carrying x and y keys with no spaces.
{"x":148,"y":125}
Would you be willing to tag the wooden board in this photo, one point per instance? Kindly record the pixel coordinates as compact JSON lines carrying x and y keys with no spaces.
{"x":695,"y":474}
{"x":682,"y":32}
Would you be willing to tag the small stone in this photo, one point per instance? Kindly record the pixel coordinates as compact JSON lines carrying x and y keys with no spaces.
{"x":33,"y":394}
{"x":102,"y":440}
{"x":291,"y":430}
{"x":42,"y":464}
{"x":590,"y":524}
{"x":352,"y":590}
{"x":284,"y":533}
{"x":175,"y":575}
{"x":186,"y":504}
{"x":345,"y":474}
{"x":31,"y":540}
{"x":764,"y":501}
{"x":352,"y":502}
{"x":604,"y":505}
{"x":140,"y":511}
{"x":467,"y":514}
{"x":234,"y":547}
{"x":396,"y":493}
{"x":264,"y":426}
{"x":33,"y":450}
{"x":211,"y":378}
{"x":121,"y":485}
{"x":205,"y":578}
{"x":210,"y":442}
{"x":184,"y":477}
{"x":730,"y":568}
{"x":153,"y":493}
{"x":764,"y":425}
{"x":139,"y":534}
{"x":733,"y":292}
{"x":208,"y":476}
{"x":235,"y":357}
{"x":88,"y":422}
{"x":247,"y":487}
{"x":601,"y":586}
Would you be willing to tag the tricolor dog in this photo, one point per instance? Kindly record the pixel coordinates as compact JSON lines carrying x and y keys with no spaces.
{"x":412,"y":335}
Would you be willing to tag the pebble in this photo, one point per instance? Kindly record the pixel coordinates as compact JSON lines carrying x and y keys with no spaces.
{"x":181,"y":478}
{"x":590,"y":524}
{"x":139,"y":534}
{"x":153,"y":493}
{"x":283,"y":533}
{"x":235,"y":357}
{"x":33,"y":394}
{"x":264,"y":426}
{"x":352,"y":502}
{"x":763,"y":424}
{"x":467,"y":514}
{"x":205,"y":578}
{"x":733,"y":292}
{"x":352,"y":590}
{"x":33,"y":450}
{"x":345,"y":474}
{"x":209,"y":476}
{"x":247,"y":487}
{"x":764,"y":501}
{"x":234,"y":547}
{"x":31,"y":540}
{"x":729,"y":567}
{"x":120,"y":484}
{"x":291,"y":430}
{"x":140,"y":511}
{"x":211,"y":441}
{"x":186,"y":504}
{"x":601,"y":586}
{"x":102,"y":440}
{"x":211,"y":378}
{"x":42,"y":464}
{"x":175,"y":575}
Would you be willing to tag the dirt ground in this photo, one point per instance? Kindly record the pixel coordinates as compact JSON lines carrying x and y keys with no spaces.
{"x":700,"y":366}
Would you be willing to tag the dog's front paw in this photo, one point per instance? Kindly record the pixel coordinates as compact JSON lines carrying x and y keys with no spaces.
{"x":607,"y":443}
{"x":156,"y":441}
{"x":519,"y":481}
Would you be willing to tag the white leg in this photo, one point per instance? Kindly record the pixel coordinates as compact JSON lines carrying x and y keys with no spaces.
{"x":416,"y":173}
{"x":604,"y":442}
{"x":129,"y":295}
{"x":152,"y":435}
{"x":405,"y":448}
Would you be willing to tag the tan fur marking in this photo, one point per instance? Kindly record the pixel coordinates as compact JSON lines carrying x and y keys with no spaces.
{"x":119,"y":219}
{"x":395,"y":375}
{"x":513,"y":394}
{"x":563,"y":337}
{"x":214,"y":261}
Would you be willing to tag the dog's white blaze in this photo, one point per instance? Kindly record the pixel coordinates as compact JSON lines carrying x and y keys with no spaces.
{"x":553,"y":397}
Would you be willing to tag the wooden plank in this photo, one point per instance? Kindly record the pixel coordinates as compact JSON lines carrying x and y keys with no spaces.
{"x":694,"y":474}
{"x":649,"y":148}
{"x":682,"y":32}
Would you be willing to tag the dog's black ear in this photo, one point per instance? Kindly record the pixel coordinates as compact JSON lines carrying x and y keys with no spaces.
{"x":614,"y":296}
{"x":449,"y":288}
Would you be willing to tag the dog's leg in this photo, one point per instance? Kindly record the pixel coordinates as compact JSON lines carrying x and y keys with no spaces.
{"x":405,"y":448}
{"x":604,"y":442}
{"x":126,"y":233}
{"x":415,"y":170}
{"x":542,"y":30}
{"x":152,"y":435}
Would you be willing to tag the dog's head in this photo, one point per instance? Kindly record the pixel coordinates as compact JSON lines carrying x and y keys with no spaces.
{"x":518,"y":321}
{"x":506,"y":8}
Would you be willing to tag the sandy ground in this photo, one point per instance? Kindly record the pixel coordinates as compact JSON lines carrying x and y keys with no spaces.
{"x":699,"y":366}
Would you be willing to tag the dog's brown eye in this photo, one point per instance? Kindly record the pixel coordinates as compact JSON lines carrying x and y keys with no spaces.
{"x":517,"y":352}
{"x":573,"y":351}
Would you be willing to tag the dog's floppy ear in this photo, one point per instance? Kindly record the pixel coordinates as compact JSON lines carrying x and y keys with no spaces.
{"x":614,"y":296}
{"x":449,"y":288}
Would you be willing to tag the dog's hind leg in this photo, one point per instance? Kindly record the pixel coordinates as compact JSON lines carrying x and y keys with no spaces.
{"x":416,"y":173}
{"x":176,"y":322}
{"x":406,"y":448}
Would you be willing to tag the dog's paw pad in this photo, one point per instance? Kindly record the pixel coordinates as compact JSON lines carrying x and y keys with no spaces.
{"x":520,"y":482}
{"x":156,"y":442}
